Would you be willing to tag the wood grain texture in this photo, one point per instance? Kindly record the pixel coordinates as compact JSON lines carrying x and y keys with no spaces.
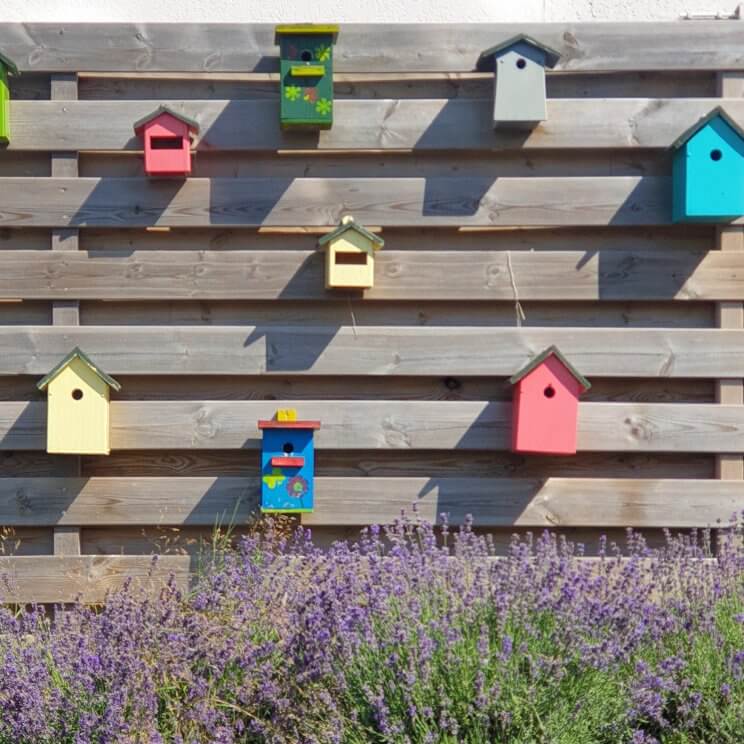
{"x":254,"y":202}
{"x":381,"y":424}
{"x":64,"y":579}
{"x":444,"y":124}
{"x":399,"y":275}
{"x":370,"y":350}
{"x":538,"y":502}
{"x":129,"y":47}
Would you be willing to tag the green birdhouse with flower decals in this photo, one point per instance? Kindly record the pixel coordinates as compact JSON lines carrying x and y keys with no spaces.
{"x":306,"y":75}
{"x":6,"y":68}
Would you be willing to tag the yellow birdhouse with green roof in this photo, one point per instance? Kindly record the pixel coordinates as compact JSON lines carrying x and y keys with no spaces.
{"x":350,"y":256}
{"x":78,"y":406}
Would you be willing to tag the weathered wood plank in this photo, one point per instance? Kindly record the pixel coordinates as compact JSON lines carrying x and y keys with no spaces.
{"x":538,"y":502}
{"x":78,"y":47}
{"x":369,"y":350}
{"x":399,"y":275}
{"x":58,"y":579}
{"x":407,"y":425}
{"x":253,"y":202}
{"x":445,"y":124}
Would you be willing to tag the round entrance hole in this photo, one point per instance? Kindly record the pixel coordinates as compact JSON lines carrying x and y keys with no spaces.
{"x":521,"y":63}
{"x":288,"y":449}
{"x":77,"y":394}
{"x":549,"y":391}
{"x":306,"y":55}
{"x":716,"y":155}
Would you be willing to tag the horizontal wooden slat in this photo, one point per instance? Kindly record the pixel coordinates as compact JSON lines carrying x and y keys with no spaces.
{"x":449,"y":124}
{"x":57,"y":579}
{"x":380,"y":424}
{"x":539,"y":502}
{"x":399,"y":275}
{"x":370,"y":350}
{"x":78,"y":47}
{"x":253,"y":202}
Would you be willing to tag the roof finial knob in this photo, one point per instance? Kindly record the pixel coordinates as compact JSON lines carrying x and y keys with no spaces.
{"x":346,"y":219}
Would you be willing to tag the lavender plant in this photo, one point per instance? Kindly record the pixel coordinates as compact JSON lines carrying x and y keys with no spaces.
{"x":410,"y":634}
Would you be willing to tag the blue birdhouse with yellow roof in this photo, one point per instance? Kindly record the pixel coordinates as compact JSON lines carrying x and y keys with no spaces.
{"x":287,"y":463}
{"x":708,"y":170}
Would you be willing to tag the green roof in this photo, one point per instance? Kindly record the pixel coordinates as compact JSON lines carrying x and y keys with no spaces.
{"x":306,"y":28}
{"x":76,"y":353}
{"x":192,"y":124}
{"x":551,"y":55}
{"x":9,"y":64}
{"x":351,"y":225}
{"x":718,"y":111}
{"x":540,"y":358}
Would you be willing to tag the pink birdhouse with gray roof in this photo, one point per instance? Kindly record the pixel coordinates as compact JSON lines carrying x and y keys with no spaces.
{"x":166,"y":137}
{"x":545,"y":406}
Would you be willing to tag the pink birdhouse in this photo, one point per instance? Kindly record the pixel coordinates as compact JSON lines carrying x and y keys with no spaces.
{"x":167,"y":142}
{"x":545,"y":406}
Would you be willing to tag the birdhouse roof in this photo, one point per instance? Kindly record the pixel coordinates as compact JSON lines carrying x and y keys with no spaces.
{"x":274,"y":424}
{"x":76,"y":353}
{"x":540,"y":358}
{"x":192,"y":124}
{"x":306,"y":28}
{"x":9,"y":64}
{"x":551,"y":55}
{"x":718,"y":111}
{"x":356,"y":227}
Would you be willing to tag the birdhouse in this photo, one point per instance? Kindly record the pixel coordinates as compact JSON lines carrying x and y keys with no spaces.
{"x":166,"y":137}
{"x":78,"y":406}
{"x":287,"y":463}
{"x":545,"y":405}
{"x":350,"y":256}
{"x":7,"y":68}
{"x":708,"y":170}
{"x":519,"y":79}
{"x":306,"y":75}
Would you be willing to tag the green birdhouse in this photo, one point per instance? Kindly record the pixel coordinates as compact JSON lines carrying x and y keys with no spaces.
{"x":6,"y":68}
{"x":306,"y":75}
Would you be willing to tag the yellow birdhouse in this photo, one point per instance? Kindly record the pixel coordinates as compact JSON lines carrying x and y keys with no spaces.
{"x":350,"y":256}
{"x":78,"y":406}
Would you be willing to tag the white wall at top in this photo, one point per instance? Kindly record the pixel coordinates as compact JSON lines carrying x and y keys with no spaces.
{"x":360,"y":11}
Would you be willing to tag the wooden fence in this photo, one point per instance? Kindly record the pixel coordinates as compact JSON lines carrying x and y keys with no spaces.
{"x":205,"y":298}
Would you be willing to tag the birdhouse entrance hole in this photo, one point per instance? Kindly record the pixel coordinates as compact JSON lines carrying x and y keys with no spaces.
{"x":521,"y":63}
{"x":351,"y":259}
{"x":549,"y":391}
{"x":306,"y":55}
{"x":716,"y":155}
{"x":167,"y":143}
{"x":288,"y":448}
{"x":77,"y":394}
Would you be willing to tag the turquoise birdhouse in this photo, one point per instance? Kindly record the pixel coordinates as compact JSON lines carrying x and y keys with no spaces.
{"x":287,"y":463}
{"x":708,"y":170}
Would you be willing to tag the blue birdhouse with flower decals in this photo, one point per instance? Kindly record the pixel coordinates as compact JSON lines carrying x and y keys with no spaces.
{"x":287,"y":463}
{"x":708,"y":170}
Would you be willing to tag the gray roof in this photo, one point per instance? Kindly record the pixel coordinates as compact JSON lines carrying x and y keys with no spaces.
{"x":700,"y":123}
{"x":192,"y":124}
{"x":540,"y":358}
{"x":486,"y":59}
{"x":9,"y":64}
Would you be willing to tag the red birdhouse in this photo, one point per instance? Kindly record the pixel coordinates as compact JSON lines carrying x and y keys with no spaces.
{"x":545,"y":405}
{"x":167,"y":142}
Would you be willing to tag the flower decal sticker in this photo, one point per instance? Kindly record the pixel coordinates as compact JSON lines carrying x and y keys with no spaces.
{"x":292,"y":92}
{"x":323,"y":106}
{"x":323,"y":53}
{"x":297,"y":487}
{"x":275,"y":479}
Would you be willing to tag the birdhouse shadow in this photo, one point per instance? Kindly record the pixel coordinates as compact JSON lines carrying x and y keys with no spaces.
{"x":228,"y":501}
{"x":28,"y":430}
{"x":648,"y":203}
{"x":442,"y":200}
{"x":230,"y":205}
{"x":292,"y":349}
{"x":122,"y":202}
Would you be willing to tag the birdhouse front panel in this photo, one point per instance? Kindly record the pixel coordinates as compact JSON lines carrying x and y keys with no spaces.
{"x":78,"y":412}
{"x":545,"y":409}
{"x":350,"y":262}
{"x":306,"y":76}
{"x":287,"y":467}
{"x":4,"y":105}
{"x":708,"y":174}
{"x":520,"y":94}
{"x":167,"y":145}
